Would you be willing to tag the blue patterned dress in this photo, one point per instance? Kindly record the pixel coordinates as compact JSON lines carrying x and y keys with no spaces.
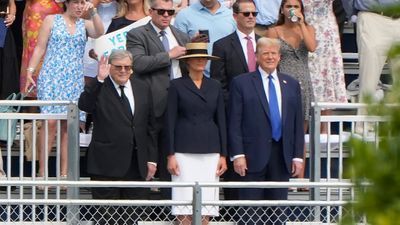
{"x":61,"y":76}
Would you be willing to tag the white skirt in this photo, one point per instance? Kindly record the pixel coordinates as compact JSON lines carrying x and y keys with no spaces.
{"x":201,"y":168}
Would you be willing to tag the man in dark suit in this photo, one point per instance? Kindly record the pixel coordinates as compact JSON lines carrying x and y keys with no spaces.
{"x":237,"y":50}
{"x":237,"y":56}
{"x":155,"y":48}
{"x":265,"y":133}
{"x":123,"y":145}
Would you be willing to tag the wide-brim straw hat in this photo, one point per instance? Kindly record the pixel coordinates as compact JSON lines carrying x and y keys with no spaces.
{"x":197,"y":50}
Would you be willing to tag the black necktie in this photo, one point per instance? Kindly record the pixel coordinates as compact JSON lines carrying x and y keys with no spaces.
{"x":125,"y":102}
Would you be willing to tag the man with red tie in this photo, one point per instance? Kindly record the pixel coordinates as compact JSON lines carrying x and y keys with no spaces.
{"x":237,"y":55}
{"x":237,"y":50}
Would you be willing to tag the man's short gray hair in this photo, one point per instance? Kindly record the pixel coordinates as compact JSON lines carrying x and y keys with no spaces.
{"x":119,"y":54}
{"x":264,"y":41}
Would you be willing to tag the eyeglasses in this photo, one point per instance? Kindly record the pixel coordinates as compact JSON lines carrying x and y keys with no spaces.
{"x":120,"y":67}
{"x":161,"y":12}
{"x":247,"y":14}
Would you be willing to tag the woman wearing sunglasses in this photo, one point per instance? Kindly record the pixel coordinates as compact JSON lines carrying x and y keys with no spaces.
{"x":297,"y":39}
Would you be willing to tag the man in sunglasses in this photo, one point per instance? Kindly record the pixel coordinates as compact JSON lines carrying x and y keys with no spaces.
{"x":237,"y":50}
{"x":206,"y":15}
{"x":237,"y":56}
{"x":155,"y":48}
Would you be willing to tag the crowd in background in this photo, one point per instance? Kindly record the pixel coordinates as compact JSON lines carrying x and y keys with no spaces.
{"x":54,"y":52}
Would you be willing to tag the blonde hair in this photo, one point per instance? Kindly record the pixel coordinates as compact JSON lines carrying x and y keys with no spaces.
{"x":264,"y":41}
{"x":122,"y":8}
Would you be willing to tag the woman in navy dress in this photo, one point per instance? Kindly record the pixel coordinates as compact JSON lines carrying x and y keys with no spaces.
{"x":196,"y":132}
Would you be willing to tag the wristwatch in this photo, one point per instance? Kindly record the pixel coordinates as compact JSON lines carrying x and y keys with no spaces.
{"x":93,"y":12}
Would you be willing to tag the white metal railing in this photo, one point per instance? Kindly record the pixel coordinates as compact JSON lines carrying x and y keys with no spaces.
{"x":327,"y":193}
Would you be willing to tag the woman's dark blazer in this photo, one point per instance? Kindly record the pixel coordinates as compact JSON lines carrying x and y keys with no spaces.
{"x":195,"y":118}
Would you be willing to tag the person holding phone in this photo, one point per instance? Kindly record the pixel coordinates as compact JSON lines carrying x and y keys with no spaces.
{"x":206,"y":17}
{"x":155,"y":48}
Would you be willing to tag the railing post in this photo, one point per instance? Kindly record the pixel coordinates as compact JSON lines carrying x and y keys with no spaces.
{"x":315,"y":157}
{"x":196,"y":220}
{"x":73,"y":160}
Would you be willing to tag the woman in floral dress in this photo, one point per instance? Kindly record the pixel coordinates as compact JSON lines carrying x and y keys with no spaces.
{"x":62,"y":37}
{"x":326,"y":63}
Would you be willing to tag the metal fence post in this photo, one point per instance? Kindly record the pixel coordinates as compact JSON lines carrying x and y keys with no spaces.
{"x":315,"y":157}
{"x":196,"y":220}
{"x":73,"y":160}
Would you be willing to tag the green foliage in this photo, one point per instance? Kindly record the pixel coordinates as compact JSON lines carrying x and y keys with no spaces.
{"x":379,"y":165}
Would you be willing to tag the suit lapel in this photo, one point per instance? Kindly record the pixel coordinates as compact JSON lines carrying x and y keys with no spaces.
{"x":136,"y":97}
{"x":177,"y":36}
{"x":258,"y":85}
{"x":189,"y":84}
{"x":237,"y":47}
{"x":283,"y":84}
{"x":112,"y":89}
{"x":152,"y":34}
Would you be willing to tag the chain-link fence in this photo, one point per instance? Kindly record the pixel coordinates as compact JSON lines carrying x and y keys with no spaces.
{"x":84,"y":210}
{"x":100,"y":214}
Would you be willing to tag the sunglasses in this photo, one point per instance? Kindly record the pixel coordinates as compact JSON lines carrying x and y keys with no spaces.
{"x":161,"y":12}
{"x":118,"y":67}
{"x":247,"y":14}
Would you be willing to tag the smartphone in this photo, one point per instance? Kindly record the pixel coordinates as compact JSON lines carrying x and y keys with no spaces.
{"x":204,"y":33}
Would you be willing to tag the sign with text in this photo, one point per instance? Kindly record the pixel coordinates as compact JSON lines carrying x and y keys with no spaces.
{"x":117,"y":39}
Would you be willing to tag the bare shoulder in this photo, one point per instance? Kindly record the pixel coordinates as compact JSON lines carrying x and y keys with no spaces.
{"x":48,"y":22}
{"x":272,"y":32}
{"x":48,"y":19}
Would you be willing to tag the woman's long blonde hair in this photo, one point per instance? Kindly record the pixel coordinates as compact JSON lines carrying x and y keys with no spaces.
{"x":123,"y":8}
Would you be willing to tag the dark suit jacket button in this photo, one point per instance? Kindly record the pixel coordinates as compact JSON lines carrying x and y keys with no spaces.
{"x":270,"y":141}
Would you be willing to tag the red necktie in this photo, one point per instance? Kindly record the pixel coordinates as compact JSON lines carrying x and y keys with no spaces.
{"x":251,"y":56}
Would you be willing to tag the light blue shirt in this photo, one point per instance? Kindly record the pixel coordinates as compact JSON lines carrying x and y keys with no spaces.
{"x":367,"y":5}
{"x":268,"y":11}
{"x":197,"y":17}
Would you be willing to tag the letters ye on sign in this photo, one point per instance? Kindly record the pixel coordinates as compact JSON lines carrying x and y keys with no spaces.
{"x":117,"y":39}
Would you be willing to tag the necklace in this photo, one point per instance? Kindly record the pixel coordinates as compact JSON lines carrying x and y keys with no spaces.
{"x":69,"y":22}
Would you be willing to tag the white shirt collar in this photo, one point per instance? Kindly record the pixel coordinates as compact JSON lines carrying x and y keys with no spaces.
{"x":265,"y":75}
{"x":242,"y":35}
{"x":127,"y":84}
{"x":167,"y":30}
